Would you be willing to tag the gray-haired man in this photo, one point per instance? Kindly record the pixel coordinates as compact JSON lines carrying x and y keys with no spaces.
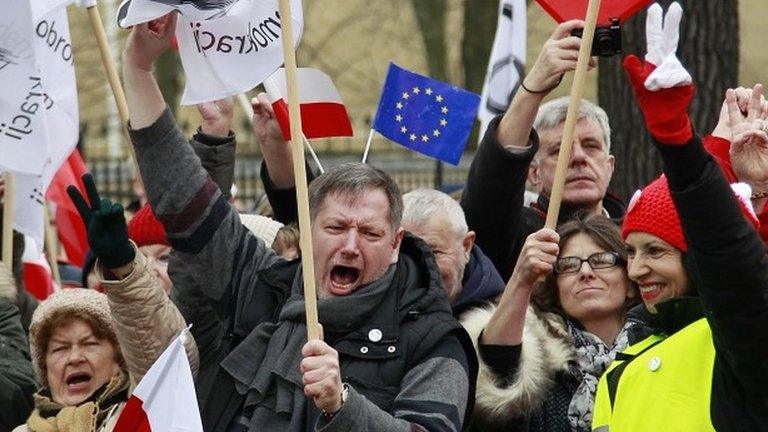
{"x":469,"y":277}
{"x":524,"y":144}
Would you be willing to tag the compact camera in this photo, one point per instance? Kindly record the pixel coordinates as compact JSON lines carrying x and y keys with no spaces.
{"x":607,"y":41}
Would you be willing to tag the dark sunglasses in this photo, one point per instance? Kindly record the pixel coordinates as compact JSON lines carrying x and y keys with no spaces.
{"x":599,"y":260}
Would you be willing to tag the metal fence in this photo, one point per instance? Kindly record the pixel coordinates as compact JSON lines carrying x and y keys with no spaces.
{"x":114,"y":177}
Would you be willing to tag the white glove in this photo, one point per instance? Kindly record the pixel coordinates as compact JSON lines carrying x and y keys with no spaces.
{"x":662,"y":33}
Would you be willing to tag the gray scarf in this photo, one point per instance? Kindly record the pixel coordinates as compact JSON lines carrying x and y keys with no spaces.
{"x":265,"y":365}
{"x":592,"y":359}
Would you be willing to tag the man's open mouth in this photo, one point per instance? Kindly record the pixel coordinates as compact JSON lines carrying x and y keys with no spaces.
{"x":344,"y":276}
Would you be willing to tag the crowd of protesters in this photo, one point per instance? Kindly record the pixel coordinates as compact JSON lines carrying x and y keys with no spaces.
{"x":436,"y":315}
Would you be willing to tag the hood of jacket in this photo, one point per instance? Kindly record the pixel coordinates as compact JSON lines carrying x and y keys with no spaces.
{"x":481,"y":282}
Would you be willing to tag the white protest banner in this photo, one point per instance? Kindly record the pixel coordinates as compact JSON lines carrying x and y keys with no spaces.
{"x":506,"y":66}
{"x":22,"y":122}
{"x":132,"y":12}
{"x":38,"y":106}
{"x":28,"y":206}
{"x":233,"y":54}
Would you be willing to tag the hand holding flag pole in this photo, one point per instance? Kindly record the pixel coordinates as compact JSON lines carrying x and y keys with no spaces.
{"x":245,"y":104}
{"x":302,"y":193}
{"x":572,"y":115}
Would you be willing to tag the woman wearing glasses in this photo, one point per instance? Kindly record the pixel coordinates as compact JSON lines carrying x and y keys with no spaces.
{"x":544,"y":347}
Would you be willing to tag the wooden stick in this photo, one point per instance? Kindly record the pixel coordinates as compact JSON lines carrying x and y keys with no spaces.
{"x":564,"y":157}
{"x":8,"y":220}
{"x":109,"y":63}
{"x":300,"y":174}
{"x":245,"y":104}
{"x":112,"y":76}
{"x":52,"y":246}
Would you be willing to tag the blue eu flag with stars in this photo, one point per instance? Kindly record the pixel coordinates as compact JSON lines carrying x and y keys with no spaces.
{"x":428,"y":116}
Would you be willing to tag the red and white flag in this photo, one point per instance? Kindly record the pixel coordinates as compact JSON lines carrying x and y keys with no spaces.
{"x":38,"y":278}
{"x":69,"y":225}
{"x":323,"y":113}
{"x":165,"y":398}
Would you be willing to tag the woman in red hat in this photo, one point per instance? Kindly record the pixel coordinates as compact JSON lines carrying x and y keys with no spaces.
{"x":702,"y":271}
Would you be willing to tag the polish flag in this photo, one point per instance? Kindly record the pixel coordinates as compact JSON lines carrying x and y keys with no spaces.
{"x":37,"y":275}
{"x":323,"y":114}
{"x":69,"y":225}
{"x":36,"y":272}
{"x":165,"y":398}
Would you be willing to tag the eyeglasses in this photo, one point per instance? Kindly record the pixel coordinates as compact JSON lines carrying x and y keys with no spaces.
{"x":599,"y":260}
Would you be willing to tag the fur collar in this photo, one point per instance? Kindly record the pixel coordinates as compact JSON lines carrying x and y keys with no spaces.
{"x":543,"y":354}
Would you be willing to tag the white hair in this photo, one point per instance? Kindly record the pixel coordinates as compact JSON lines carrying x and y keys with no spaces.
{"x":420,"y":205}
{"x":554,"y":112}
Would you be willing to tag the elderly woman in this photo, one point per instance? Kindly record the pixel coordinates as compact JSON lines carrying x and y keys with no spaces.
{"x":78,"y":362}
{"x":89,"y":349}
{"x":540,"y":363}
{"x":703,"y":274}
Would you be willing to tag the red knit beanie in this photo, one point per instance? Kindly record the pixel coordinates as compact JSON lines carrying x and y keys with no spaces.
{"x":653,"y":211}
{"x":145,"y":229}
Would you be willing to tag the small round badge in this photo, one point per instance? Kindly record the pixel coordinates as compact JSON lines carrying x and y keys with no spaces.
{"x":654,"y":364}
{"x":375,"y":335}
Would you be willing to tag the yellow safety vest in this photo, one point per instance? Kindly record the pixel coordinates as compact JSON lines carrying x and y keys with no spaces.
{"x":659,"y":384}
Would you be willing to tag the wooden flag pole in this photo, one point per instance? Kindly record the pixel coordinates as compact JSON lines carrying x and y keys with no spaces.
{"x":572,"y":115}
{"x":8,"y":220}
{"x":302,"y":194}
{"x":52,"y":247}
{"x":109,"y":63}
{"x":112,"y":76}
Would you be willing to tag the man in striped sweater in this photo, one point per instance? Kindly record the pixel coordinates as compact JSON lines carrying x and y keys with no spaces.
{"x":393,"y":358}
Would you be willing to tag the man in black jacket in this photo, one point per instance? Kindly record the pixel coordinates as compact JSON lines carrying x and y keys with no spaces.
{"x":524,"y":144}
{"x":393,"y":358}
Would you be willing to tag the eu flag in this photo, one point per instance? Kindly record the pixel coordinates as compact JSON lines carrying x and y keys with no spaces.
{"x":428,"y":116}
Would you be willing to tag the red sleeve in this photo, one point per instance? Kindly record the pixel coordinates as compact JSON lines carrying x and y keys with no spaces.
{"x":719,"y":147}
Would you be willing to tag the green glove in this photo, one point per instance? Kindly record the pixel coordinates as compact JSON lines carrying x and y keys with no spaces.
{"x":105,"y":223}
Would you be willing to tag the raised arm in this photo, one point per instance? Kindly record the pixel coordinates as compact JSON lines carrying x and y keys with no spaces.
{"x":277,"y":167}
{"x":146,"y":320}
{"x":726,"y":258}
{"x":493,"y":199}
{"x":199,"y":222}
{"x":214,"y":143}
{"x":512,"y":337}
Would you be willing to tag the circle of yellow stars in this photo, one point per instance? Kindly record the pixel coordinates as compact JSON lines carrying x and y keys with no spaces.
{"x":415,"y":92}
